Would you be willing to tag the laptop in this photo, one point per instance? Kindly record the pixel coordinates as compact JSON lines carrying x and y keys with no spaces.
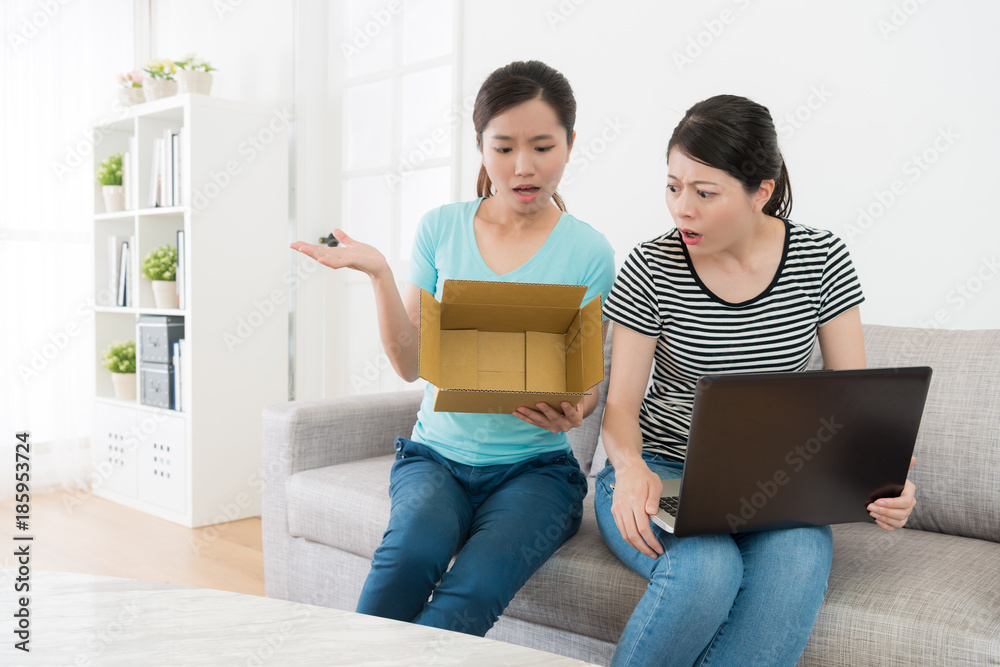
{"x":784,"y":450}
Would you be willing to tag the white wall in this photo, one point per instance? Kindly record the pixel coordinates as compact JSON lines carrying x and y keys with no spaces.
{"x":879,"y":100}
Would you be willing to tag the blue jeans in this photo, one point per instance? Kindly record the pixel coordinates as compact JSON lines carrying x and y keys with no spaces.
{"x":742,"y":599}
{"x":503,"y":521}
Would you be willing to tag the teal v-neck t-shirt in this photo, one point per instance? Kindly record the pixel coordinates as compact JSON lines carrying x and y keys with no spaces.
{"x":445,"y":248}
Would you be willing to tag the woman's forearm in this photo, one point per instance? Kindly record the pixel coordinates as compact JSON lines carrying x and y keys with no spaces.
{"x":622,"y":437}
{"x":399,"y":337}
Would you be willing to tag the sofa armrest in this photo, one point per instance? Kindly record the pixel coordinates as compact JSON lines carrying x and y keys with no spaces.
{"x":303,"y":435}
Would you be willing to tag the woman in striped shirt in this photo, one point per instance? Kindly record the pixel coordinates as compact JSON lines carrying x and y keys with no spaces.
{"x":736,"y":287}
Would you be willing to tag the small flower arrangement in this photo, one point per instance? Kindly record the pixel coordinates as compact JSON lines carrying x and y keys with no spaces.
{"x":120,"y":357}
{"x":161,"y":263}
{"x":109,"y":171}
{"x":161,"y":68}
{"x":193,"y":64}
{"x":131,"y":79}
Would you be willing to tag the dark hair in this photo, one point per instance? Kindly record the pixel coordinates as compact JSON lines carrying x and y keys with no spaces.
{"x":736,"y":135}
{"x":514,"y":84}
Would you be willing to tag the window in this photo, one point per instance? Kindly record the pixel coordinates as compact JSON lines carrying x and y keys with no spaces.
{"x":399,"y":119}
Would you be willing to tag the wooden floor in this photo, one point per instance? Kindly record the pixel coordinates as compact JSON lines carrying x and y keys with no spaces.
{"x":96,"y":536}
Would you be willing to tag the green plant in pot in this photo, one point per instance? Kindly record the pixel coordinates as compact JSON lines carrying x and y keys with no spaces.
{"x":109,"y":176}
{"x":119,"y":358}
{"x":160,"y":266}
{"x":160,"y":81}
{"x":194,"y":75}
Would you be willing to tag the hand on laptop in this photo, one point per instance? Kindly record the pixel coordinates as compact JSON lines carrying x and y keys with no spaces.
{"x":636,"y":498}
{"x":892,"y":513}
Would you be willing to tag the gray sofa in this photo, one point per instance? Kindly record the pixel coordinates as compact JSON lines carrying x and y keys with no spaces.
{"x":928,"y":594}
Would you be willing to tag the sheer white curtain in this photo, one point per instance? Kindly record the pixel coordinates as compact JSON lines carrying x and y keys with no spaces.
{"x":58,"y":64}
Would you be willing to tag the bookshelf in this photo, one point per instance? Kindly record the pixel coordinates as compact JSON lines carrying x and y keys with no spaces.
{"x":198,"y":465}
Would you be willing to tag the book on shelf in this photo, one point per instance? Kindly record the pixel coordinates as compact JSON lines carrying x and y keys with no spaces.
{"x":175,"y":173}
{"x":121,"y":269}
{"x":132,"y":191}
{"x":154,"y":174}
{"x":178,"y":353}
{"x":165,"y":177}
{"x":123,"y":275}
{"x":126,"y":178}
{"x":180,"y":269}
{"x":166,"y":170}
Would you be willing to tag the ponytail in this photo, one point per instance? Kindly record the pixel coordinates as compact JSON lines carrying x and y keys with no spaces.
{"x":780,"y":203}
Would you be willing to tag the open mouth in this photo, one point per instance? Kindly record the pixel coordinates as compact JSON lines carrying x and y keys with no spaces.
{"x":690,"y":234}
{"x":526,"y":190}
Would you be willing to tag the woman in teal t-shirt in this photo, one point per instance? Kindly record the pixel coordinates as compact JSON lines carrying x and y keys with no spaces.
{"x":500,"y":493}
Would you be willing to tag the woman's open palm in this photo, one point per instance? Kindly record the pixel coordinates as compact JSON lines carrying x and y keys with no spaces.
{"x":349,"y":254}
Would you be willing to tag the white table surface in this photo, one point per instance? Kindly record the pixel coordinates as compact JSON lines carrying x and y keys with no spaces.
{"x":82,"y":619}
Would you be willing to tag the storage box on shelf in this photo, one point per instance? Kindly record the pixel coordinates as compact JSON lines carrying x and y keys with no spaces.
{"x":199,"y":464}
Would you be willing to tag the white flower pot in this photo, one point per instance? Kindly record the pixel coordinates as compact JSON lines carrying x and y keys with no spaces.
{"x":131,"y":95}
{"x":114,"y":198}
{"x":193,"y":81}
{"x":165,"y":293}
{"x":124,"y":384}
{"x":154,"y":89}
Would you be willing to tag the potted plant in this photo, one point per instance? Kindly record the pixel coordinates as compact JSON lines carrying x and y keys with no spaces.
{"x":193,"y":75}
{"x":119,"y":358}
{"x":160,"y":266}
{"x":109,"y":175}
{"x":160,"y":82}
{"x":131,"y":88}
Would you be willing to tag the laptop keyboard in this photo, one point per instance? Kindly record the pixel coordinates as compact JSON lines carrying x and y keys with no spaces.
{"x":669,"y":505}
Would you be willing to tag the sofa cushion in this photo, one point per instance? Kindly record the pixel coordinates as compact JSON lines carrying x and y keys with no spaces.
{"x":957,"y":473}
{"x":908,"y":597}
{"x":344,"y":506}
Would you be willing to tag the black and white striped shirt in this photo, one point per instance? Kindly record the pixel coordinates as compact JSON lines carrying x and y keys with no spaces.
{"x":658,"y":293}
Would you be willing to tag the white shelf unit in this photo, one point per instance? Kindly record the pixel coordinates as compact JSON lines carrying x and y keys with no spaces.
{"x":200,"y":465}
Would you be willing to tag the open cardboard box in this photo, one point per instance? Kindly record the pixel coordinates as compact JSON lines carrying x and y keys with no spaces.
{"x":494,"y":346}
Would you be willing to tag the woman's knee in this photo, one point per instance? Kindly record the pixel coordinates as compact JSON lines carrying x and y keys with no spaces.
{"x":710,"y":566}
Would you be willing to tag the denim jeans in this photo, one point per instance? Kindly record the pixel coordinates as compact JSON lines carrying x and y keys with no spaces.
{"x":742,"y":599}
{"x":503,"y":521}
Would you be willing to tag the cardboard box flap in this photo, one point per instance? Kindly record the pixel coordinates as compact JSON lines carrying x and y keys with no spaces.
{"x":585,"y":349}
{"x":491,"y":317}
{"x":429,"y":339}
{"x":512,"y":294}
{"x":593,"y":343}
